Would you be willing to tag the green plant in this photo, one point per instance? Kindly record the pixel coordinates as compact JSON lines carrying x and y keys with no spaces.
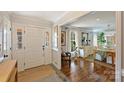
{"x":73,"y":45}
{"x":101,"y":38}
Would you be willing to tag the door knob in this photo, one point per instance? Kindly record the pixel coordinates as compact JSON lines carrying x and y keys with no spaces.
{"x":43,"y":47}
{"x":5,"y":55}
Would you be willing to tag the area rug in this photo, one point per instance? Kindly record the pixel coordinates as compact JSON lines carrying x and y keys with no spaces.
{"x":53,"y":78}
{"x":92,"y":78}
{"x":90,"y":58}
{"x":57,"y":76}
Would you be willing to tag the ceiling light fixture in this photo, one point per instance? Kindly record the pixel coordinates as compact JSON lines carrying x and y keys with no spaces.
{"x":97,"y":19}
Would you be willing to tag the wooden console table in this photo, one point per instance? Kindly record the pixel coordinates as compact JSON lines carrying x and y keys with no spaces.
{"x":104,"y":68}
{"x":8,"y":71}
{"x":109,"y":52}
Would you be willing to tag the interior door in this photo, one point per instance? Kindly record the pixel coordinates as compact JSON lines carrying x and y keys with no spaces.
{"x":34,"y":47}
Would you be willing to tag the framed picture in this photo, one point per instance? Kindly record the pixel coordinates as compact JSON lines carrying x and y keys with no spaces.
{"x":84,"y":39}
{"x":63,"y":38}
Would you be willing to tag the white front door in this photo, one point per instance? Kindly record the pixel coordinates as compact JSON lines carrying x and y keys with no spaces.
{"x":31,"y":46}
{"x":34,"y":41}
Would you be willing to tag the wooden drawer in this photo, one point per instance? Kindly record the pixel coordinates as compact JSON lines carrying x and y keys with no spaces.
{"x":13,"y":76}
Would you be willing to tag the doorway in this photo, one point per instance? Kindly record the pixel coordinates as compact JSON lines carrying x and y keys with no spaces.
{"x":107,"y":24}
{"x":32,"y":46}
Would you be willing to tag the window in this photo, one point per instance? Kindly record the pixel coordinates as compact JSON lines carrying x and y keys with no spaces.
{"x":5,"y":39}
{"x":55,"y":37}
{"x":19,"y":38}
{"x":46,"y":39}
{"x":95,"y":39}
{"x":0,"y":40}
{"x":73,"y":41}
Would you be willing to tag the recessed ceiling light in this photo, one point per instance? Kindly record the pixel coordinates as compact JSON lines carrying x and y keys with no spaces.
{"x":97,"y":19}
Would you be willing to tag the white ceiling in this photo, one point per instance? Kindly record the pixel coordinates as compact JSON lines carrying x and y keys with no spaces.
{"x":52,"y":16}
{"x":95,"y":20}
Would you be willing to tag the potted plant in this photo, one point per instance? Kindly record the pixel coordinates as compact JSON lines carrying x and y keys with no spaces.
{"x":101,"y":39}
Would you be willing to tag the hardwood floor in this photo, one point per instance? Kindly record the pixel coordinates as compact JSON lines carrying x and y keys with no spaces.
{"x":35,"y":73}
{"x":83,"y":71}
{"x":80,"y":71}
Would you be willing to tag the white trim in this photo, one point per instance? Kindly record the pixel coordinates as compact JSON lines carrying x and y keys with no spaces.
{"x":55,"y":49}
{"x":62,"y":16}
{"x":118,"y":47}
{"x":122,"y":73}
{"x":30,"y":21}
{"x":71,"y":16}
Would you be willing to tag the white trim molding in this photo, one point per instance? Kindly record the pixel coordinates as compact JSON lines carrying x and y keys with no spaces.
{"x":122,"y":73}
{"x":118,"y":59}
